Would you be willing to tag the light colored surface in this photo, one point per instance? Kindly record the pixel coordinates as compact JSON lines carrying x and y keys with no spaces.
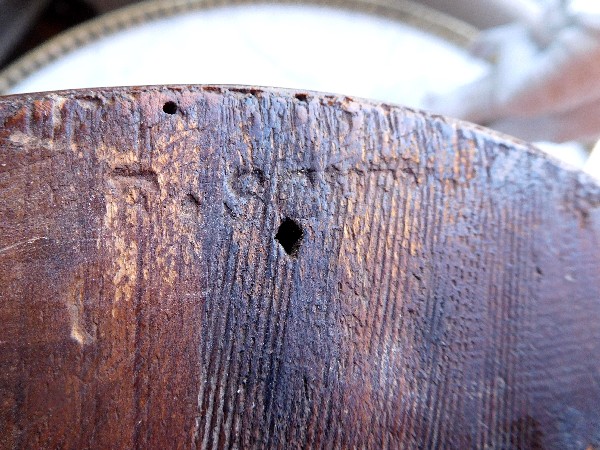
{"x":572,"y":153}
{"x":293,"y":46}
{"x":592,"y":165}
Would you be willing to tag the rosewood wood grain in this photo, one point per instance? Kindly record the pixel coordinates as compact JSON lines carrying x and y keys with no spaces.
{"x":227,"y":267}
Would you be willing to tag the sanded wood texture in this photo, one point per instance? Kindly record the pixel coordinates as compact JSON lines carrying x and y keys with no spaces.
{"x":227,"y":267}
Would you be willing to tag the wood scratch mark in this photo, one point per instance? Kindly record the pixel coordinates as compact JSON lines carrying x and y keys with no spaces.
{"x":19,"y":244}
{"x":75,"y":309}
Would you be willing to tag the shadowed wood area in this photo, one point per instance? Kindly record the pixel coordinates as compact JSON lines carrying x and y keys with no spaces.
{"x":227,"y":267}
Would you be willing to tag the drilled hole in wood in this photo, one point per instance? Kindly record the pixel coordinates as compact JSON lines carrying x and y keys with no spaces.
{"x":170,"y":107}
{"x":289,"y":235}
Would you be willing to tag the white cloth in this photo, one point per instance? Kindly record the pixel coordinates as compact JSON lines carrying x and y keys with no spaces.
{"x":290,"y":46}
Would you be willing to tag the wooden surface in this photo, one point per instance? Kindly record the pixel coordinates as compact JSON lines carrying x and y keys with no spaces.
{"x":433,"y":285}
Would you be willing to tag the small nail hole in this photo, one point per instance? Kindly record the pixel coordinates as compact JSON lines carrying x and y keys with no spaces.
{"x":289,"y":235}
{"x":170,"y":107}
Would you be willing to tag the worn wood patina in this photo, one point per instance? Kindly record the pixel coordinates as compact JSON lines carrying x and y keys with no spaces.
{"x":217,"y":267}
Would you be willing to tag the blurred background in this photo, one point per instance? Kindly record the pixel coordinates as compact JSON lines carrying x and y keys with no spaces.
{"x":24,"y":24}
{"x":388,"y":50}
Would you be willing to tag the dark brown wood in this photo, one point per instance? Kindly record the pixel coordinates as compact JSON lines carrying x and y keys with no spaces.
{"x":216,"y":267}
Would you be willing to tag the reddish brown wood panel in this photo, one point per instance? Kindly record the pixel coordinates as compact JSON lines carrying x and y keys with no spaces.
{"x":441,"y":290}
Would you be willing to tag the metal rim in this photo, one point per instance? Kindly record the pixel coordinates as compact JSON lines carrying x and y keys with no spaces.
{"x":406,"y":11}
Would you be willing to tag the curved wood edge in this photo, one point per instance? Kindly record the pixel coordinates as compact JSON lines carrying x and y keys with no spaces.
{"x":443,"y":292}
